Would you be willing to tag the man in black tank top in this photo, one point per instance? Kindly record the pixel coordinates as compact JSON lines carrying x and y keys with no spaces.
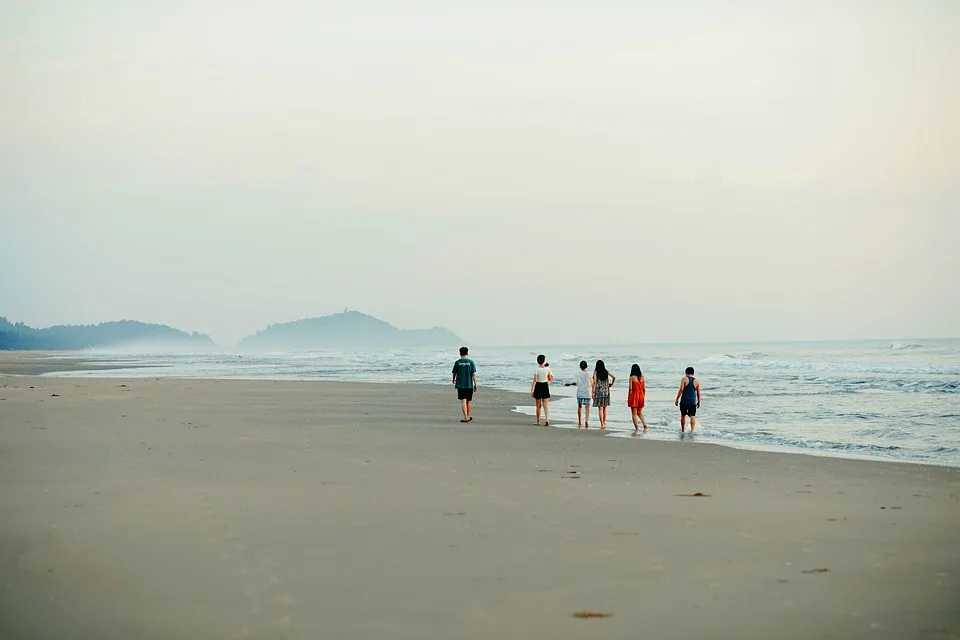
{"x":688,"y":399}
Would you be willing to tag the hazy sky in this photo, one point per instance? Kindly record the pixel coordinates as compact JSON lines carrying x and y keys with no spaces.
{"x":519,"y":172}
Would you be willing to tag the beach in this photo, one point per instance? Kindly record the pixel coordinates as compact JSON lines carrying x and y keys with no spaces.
{"x":34,"y":363}
{"x":165,"y":508}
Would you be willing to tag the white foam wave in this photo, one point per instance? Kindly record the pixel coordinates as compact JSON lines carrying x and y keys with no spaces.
{"x":897,"y":346}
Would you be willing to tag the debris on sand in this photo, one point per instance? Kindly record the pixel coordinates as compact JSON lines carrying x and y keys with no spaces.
{"x":592,"y":614}
{"x":698,"y":494}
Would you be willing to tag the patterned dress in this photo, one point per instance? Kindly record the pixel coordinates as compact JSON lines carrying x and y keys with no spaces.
{"x":601,"y":397}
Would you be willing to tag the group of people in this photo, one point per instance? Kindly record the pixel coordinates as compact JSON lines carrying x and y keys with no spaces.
{"x":593,"y":389}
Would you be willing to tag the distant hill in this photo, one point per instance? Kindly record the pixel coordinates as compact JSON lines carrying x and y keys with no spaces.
{"x":123,"y":333}
{"x":348,"y":329}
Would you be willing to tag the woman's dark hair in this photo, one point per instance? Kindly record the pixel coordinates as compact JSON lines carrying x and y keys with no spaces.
{"x":601,"y":370}
{"x":541,"y":359}
{"x":635,"y":371}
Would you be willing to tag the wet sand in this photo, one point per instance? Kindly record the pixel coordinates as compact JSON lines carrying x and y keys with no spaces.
{"x":232,"y":509}
{"x":33,"y":363}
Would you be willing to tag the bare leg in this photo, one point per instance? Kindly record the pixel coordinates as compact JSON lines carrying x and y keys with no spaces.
{"x":693,"y":423}
{"x":539,"y":404}
{"x":579,"y":414}
{"x":546,"y":411}
{"x":683,"y":423}
{"x":603,"y":417}
{"x":468,"y":411}
{"x":633,"y":416}
{"x":464,"y":410}
{"x":586,"y":423}
{"x":643,"y":420}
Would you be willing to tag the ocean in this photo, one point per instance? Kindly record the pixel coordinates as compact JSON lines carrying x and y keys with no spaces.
{"x":866,"y":399}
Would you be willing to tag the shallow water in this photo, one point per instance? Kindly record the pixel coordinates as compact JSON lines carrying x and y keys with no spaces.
{"x":879,"y":399}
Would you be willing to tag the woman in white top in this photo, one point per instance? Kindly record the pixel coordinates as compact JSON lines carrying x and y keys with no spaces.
{"x":540,"y":389}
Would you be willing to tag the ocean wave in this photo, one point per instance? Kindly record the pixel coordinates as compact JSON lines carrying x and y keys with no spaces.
{"x":818,"y":444}
{"x":725,"y":361}
{"x":892,"y":384}
{"x":946,"y":450}
{"x":828,"y":386}
{"x":898,"y":346}
{"x":766,"y":393}
{"x":734,"y":357}
{"x":929,"y":386}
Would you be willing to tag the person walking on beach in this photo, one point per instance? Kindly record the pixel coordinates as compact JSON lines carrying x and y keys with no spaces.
{"x":601,"y":383}
{"x":688,"y":399}
{"x":636,"y":397}
{"x":465,"y":380}
{"x":584,"y":391}
{"x":540,"y":389}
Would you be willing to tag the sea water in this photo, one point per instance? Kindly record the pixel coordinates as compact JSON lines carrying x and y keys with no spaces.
{"x":895,"y":400}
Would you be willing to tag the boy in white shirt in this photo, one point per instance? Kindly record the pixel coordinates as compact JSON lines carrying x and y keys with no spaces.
{"x":582,"y":383}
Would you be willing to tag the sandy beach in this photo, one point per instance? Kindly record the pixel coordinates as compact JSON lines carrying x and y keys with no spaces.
{"x":231,"y":509}
{"x":34,"y":363}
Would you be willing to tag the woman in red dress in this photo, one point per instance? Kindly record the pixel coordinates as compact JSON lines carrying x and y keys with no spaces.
{"x":636,"y":397}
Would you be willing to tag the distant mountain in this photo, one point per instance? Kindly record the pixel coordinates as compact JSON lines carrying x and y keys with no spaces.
{"x":124,"y":333}
{"x":347,"y":329}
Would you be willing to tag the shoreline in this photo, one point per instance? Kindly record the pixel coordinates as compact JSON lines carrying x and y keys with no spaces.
{"x":668,"y":437}
{"x":45,"y":364}
{"x":673,"y":435}
{"x":502,"y":401}
{"x":41,"y":363}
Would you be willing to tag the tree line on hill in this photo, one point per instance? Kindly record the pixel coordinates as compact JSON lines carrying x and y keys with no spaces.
{"x":18,"y":336}
{"x":350,"y":329}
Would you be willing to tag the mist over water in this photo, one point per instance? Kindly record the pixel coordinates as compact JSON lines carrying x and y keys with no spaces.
{"x":895,"y":400}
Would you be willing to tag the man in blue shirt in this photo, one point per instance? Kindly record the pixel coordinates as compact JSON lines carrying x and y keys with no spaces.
{"x":465,"y":380}
{"x":688,"y":399}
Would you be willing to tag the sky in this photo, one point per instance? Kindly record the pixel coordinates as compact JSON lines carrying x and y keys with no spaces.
{"x":518,"y":172}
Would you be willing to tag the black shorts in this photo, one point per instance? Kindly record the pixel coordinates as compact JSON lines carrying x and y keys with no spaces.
{"x":465,"y":394}
{"x":688,"y":409}
{"x":541,"y":391}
